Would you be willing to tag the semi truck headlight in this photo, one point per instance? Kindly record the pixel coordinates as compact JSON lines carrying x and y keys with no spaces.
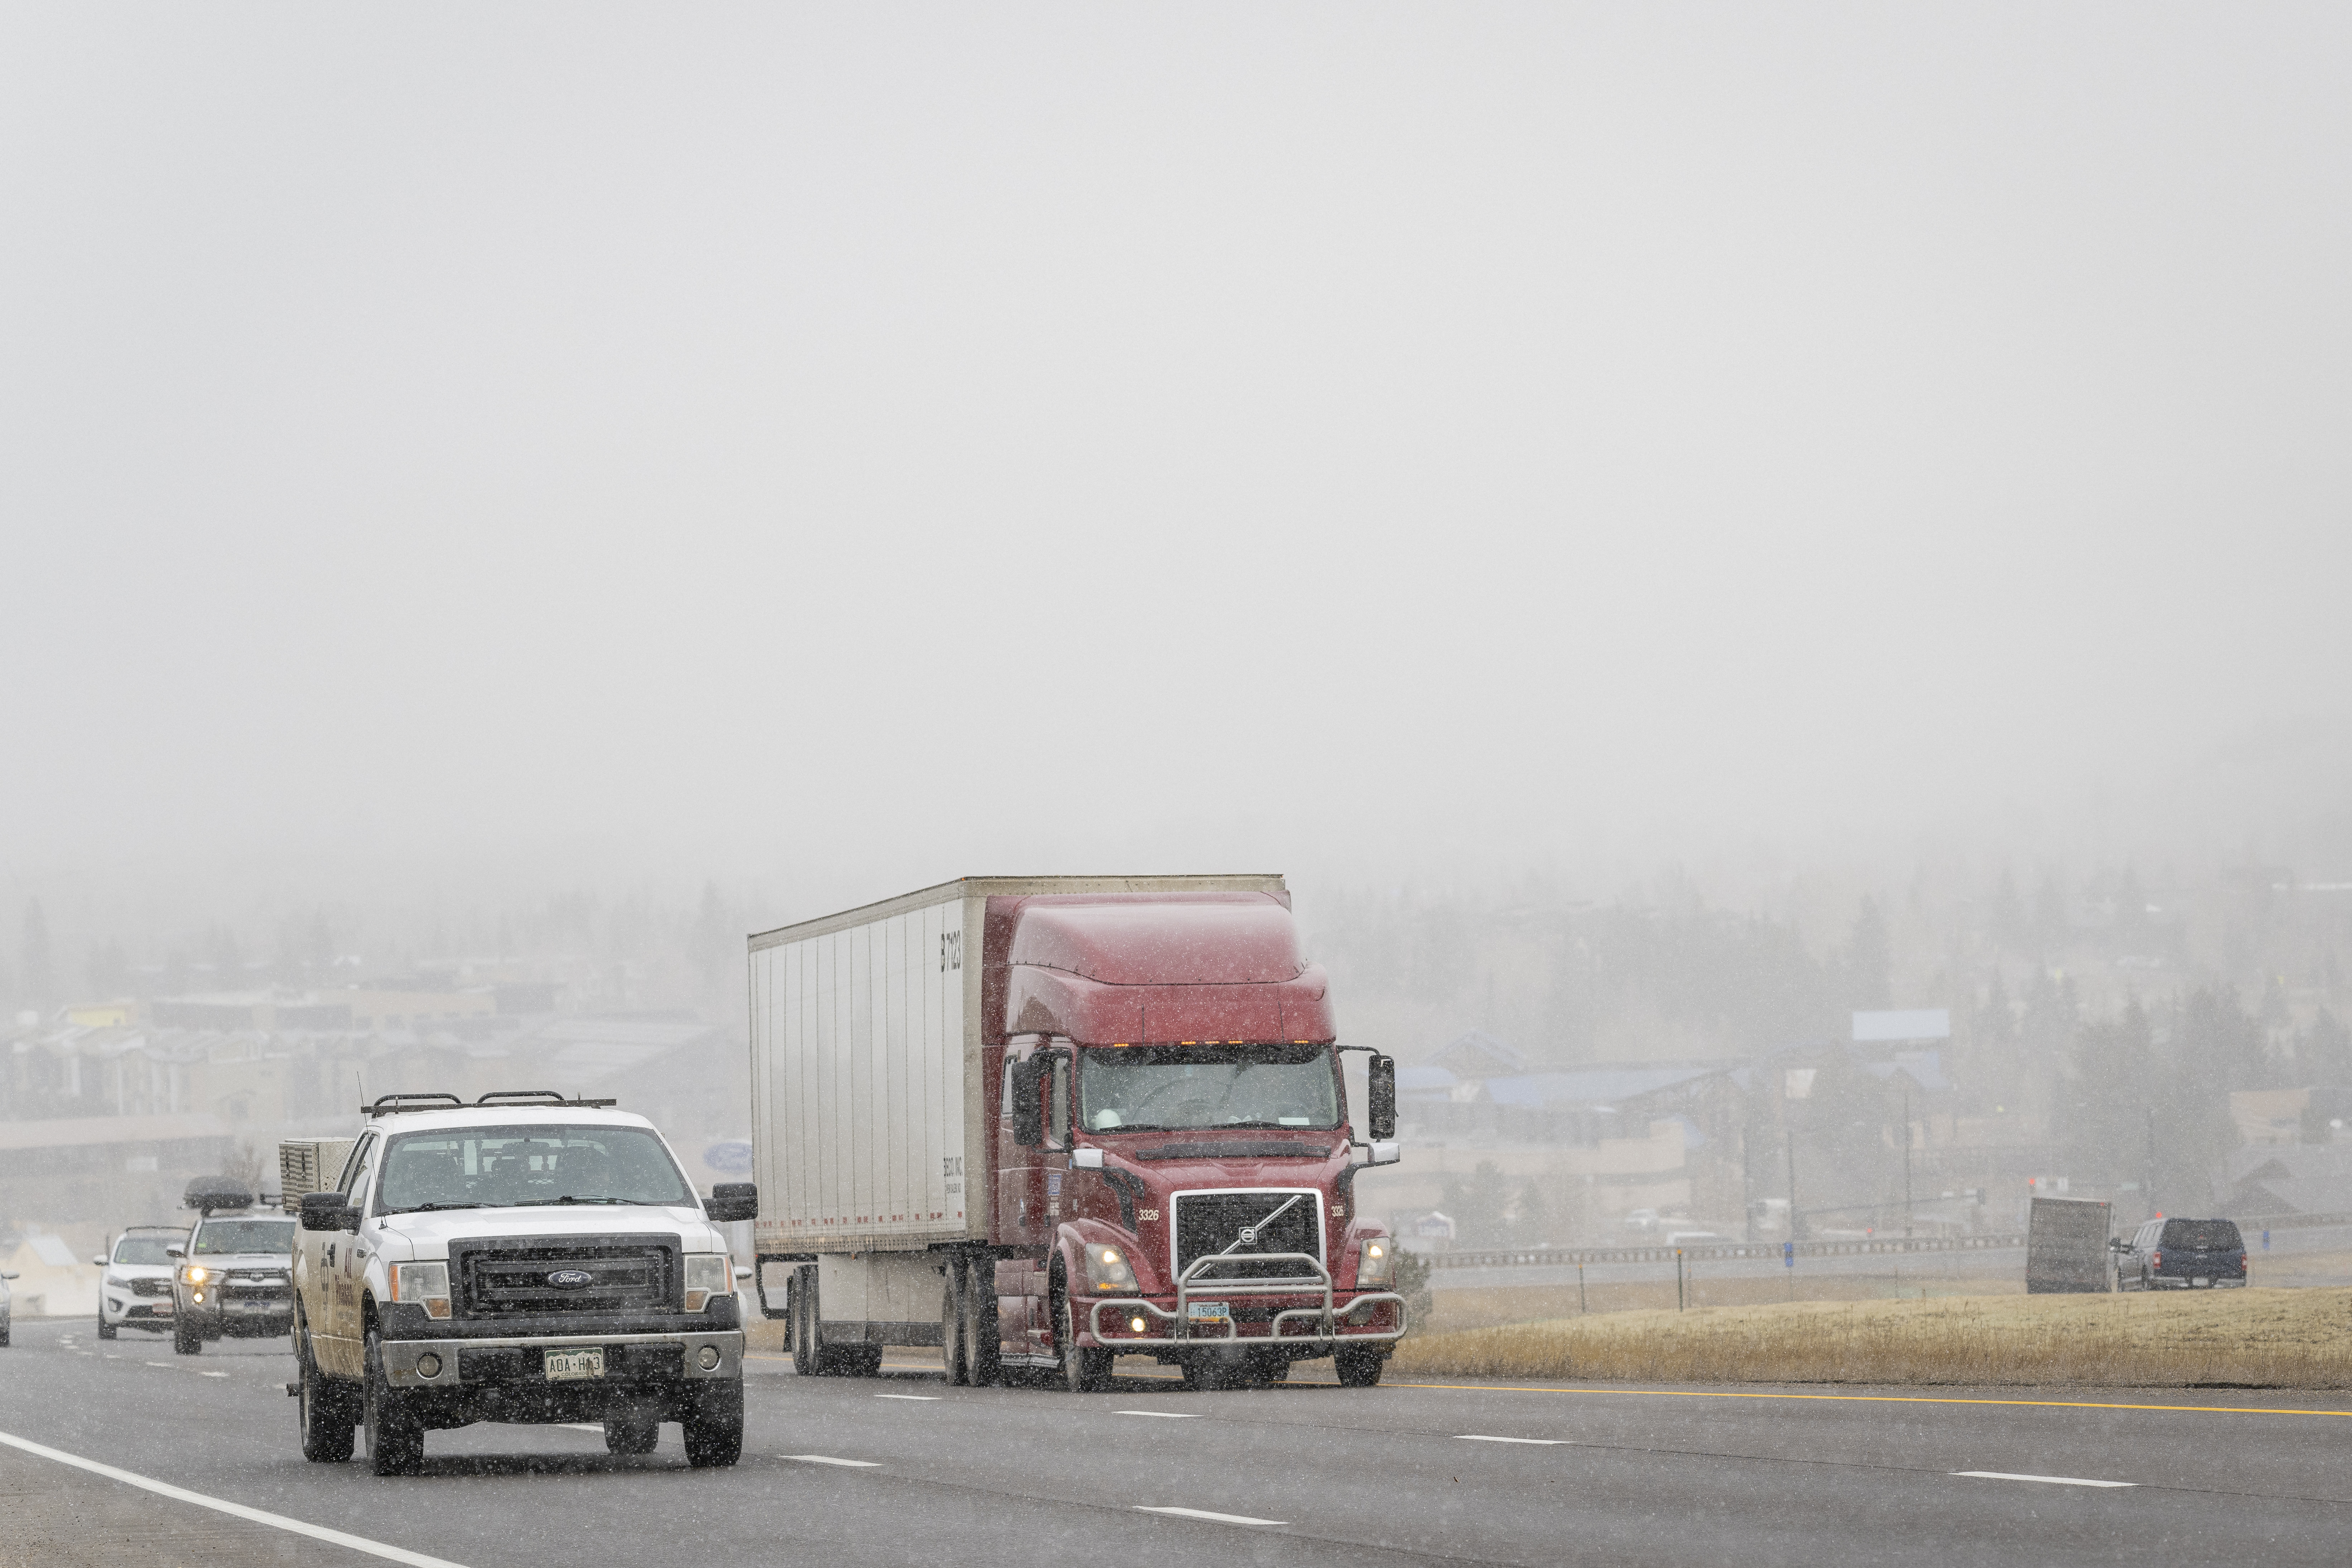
{"x":1106,"y":1267}
{"x":1377,"y":1263}
{"x":707,"y":1275}
{"x":425,"y":1283}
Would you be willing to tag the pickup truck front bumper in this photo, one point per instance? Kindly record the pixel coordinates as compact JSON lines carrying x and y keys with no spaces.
{"x":518,"y":1363}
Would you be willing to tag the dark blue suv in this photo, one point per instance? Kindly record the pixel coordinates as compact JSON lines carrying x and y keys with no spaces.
{"x":2181,"y":1254}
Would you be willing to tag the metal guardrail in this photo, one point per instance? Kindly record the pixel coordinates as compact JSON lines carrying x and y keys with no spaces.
{"x":1538,"y":1256}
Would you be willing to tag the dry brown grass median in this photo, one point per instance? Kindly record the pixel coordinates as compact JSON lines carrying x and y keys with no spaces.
{"x":2251,"y":1338}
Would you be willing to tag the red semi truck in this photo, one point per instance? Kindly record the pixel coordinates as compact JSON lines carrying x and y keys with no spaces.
{"x":1044,"y":1121}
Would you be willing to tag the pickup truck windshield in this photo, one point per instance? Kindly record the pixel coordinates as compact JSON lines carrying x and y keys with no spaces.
{"x":219,"y":1237}
{"x":1148,"y":1088}
{"x":516,"y":1167}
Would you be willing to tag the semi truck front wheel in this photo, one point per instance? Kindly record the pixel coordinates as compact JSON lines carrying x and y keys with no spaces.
{"x":1359,"y":1366}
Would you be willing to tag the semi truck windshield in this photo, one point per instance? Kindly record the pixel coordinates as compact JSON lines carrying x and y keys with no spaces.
{"x":515,"y":1167}
{"x":1146,"y":1088}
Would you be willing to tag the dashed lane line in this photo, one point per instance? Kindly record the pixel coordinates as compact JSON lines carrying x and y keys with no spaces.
{"x":829,"y":1459}
{"x":1536,"y":1442}
{"x":924,"y":1398}
{"x":2052,"y":1480}
{"x":1164,"y":1415}
{"x":1204,"y":1514}
{"x":235,"y":1509}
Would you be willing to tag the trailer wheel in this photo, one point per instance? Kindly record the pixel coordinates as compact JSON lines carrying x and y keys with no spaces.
{"x":951,"y":1326}
{"x":801,"y":1307}
{"x":980,"y":1347}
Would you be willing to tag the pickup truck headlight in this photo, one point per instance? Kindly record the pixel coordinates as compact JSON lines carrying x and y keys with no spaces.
{"x":1106,"y":1267}
{"x":425,"y":1283}
{"x":707,"y":1275}
{"x":1376,"y":1264}
{"x":194,"y":1274}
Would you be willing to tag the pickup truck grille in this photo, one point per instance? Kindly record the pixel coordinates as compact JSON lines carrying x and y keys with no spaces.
{"x":1211,"y":1222}
{"x":517,"y":1278}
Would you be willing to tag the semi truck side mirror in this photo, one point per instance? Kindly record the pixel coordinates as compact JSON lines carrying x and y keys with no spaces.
{"x":321,"y":1211}
{"x":1379,"y":1097}
{"x":731,"y":1201}
{"x":1028,"y":1115}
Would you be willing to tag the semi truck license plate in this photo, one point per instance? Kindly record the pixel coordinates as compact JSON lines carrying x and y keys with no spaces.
{"x":1208,"y":1312}
{"x":570,"y":1365}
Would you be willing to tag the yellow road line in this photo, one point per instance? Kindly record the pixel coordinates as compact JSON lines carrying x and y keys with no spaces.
{"x":1875,"y":1399}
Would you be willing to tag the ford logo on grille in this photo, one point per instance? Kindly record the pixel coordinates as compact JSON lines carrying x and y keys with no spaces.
{"x":571,"y":1279}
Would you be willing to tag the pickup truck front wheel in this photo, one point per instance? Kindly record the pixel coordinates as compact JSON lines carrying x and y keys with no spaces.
{"x":714,"y":1426}
{"x":395,"y":1439}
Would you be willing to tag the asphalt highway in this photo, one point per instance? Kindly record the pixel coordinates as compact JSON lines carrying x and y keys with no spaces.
{"x":903,"y":1468}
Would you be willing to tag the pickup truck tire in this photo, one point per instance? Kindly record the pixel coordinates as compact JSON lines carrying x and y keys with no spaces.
{"x":1358,"y":1366}
{"x":632,"y":1435}
{"x":951,"y":1327}
{"x":980,"y":1347}
{"x":395,"y":1440}
{"x":187,"y":1340}
{"x":324,"y":1411}
{"x":714,"y":1425}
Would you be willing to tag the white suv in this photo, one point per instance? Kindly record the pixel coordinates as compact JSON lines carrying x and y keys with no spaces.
{"x":135,"y":1291}
{"x":526,"y":1258}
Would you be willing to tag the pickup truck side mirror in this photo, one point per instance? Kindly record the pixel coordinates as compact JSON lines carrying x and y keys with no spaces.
{"x":1028,"y":1113}
{"x":323,"y":1211}
{"x":176,"y":1249}
{"x":730,"y":1201}
{"x":1380,"y":1097}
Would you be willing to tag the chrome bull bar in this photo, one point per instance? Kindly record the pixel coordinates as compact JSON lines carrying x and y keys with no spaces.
{"x":1315,"y":1279}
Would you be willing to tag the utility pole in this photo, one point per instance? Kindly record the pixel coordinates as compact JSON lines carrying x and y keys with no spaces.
{"x":1796,"y":1226}
{"x":2147,"y":1171}
{"x":1907,"y":1160}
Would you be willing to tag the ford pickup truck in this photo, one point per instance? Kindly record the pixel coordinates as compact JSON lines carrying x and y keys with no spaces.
{"x":525,"y":1258}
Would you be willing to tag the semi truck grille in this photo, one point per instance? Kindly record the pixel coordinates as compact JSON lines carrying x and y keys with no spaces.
{"x":1209,"y":1223}
{"x":591,"y":1274}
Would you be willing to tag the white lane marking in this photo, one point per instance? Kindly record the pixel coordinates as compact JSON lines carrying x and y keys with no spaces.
{"x":1482,"y":1437}
{"x":235,"y":1509}
{"x":160,"y":1364}
{"x":1163,"y":1415}
{"x":211,"y":1374}
{"x":1204,"y":1514}
{"x":927,"y":1398}
{"x":829,"y":1459}
{"x":2053,"y":1480}
{"x":582,"y":1426}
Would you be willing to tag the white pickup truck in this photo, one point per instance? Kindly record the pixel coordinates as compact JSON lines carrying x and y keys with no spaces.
{"x":525,"y":1258}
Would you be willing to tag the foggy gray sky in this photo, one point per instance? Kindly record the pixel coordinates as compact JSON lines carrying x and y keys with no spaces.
{"x":896,"y":443}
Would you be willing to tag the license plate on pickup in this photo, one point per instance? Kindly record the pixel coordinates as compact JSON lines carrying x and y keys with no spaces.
{"x":1208,"y":1312}
{"x":566,"y":1366}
